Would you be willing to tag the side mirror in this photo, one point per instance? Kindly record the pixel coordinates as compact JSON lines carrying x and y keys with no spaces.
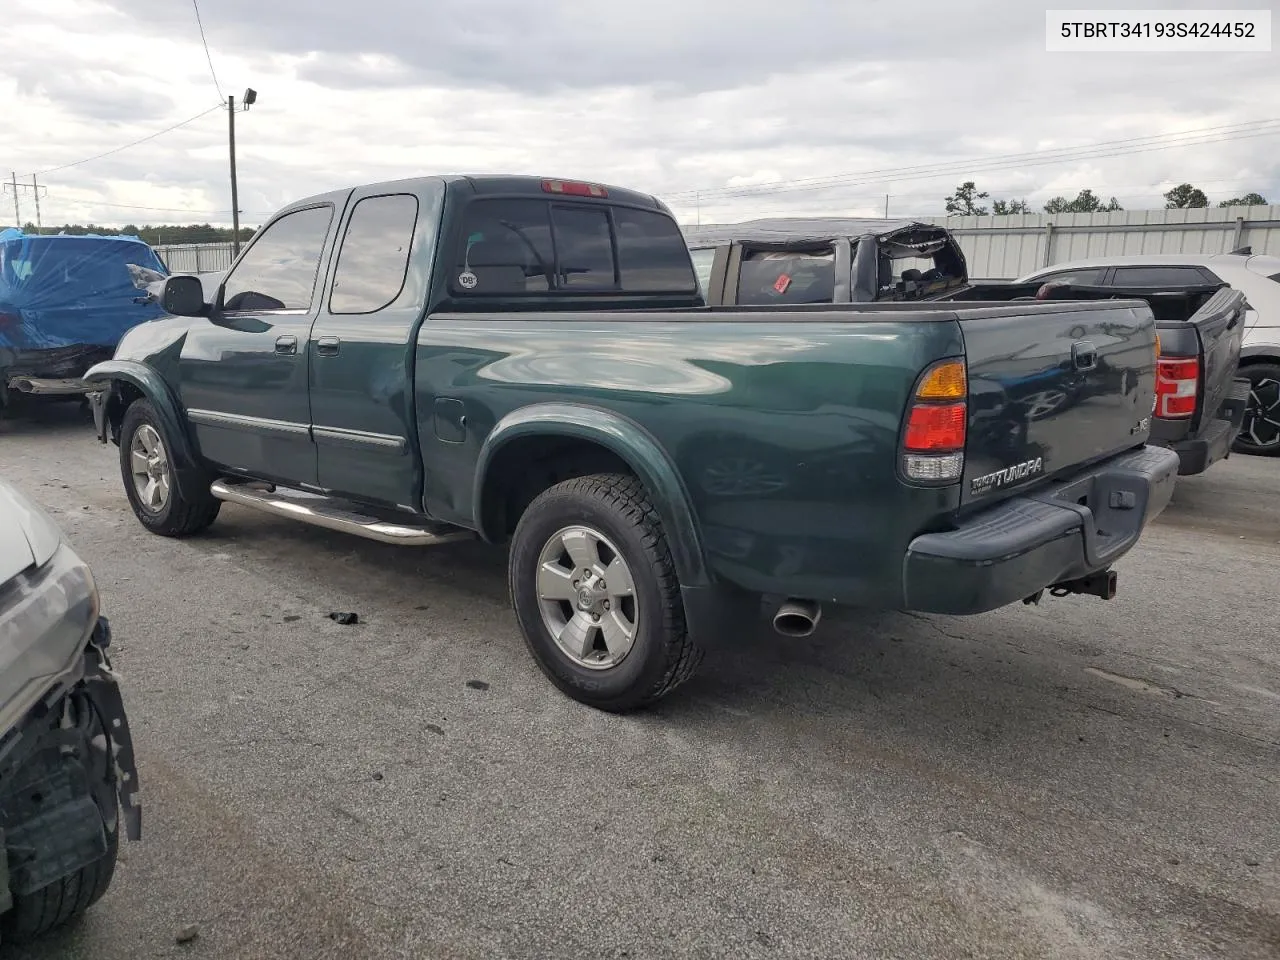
{"x":183,"y":297}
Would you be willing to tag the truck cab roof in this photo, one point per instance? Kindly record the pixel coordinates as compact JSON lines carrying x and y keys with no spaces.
{"x":489,"y":185}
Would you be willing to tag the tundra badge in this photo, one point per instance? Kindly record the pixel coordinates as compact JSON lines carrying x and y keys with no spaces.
{"x":1000,"y":478}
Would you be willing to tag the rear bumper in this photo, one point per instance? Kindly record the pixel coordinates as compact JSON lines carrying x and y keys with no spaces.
{"x":1198,"y":453}
{"x":1074,"y":528}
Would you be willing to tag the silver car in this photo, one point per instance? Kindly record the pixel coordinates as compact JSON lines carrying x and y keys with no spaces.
{"x":1257,"y":276}
{"x":68,"y":782}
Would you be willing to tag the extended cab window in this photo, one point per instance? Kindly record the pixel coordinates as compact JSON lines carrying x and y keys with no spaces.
{"x":1158,"y":277}
{"x":786,"y":276}
{"x":536,"y":246}
{"x":279,"y":271}
{"x":374,"y":255}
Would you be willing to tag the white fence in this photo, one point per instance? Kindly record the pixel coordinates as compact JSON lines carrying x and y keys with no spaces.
{"x":196,"y":257}
{"x":1007,"y":247}
{"x":999,"y":248}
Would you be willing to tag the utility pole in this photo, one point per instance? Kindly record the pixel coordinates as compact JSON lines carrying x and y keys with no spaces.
{"x":235,"y":197}
{"x":886,"y":206}
{"x":17,"y":213}
{"x":248,"y":100}
{"x":35,"y":190}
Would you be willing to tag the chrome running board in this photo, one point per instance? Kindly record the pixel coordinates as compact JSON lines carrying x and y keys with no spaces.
{"x":321,"y":511}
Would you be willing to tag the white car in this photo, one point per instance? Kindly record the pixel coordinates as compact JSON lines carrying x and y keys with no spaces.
{"x":1257,"y":276}
{"x":68,"y":783}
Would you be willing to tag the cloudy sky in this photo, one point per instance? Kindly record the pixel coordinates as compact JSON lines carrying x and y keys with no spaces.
{"x":725,"y":108}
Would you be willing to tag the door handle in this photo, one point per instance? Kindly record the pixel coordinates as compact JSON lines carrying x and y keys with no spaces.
{"x":287,"y":345}
{"x":328,"y":346}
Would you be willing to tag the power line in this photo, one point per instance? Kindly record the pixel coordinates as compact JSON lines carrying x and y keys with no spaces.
{"x":207,"y":55}
{"x":895,"y":171}
{"x":1101,"y":150}
{"x":1015,"y":192}
{"x":152,"y":136}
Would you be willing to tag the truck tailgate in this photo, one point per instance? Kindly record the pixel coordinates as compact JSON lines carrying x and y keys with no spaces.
{"x":1218,"y":328}
{"x":1052,"y":387}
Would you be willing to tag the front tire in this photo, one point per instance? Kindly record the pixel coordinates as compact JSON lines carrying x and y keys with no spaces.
{"x":37,"y":913}
{"x":1260,"y":433}
{"x":150,"y":478}
{"x":595,"y":591}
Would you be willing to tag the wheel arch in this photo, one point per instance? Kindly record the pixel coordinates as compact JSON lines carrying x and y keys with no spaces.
{"x":125,"y":381}
{"x":573,"y":440}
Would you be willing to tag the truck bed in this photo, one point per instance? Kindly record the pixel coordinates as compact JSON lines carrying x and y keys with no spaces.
{"x":785,"y":422}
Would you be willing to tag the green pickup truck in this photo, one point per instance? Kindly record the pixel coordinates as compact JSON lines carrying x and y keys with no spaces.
{"x":530,"y":361}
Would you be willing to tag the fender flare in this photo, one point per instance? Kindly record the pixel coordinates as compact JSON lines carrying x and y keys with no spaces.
{"x":629,"y":441}
{"x":153,"y":387}
{"x":1265,"y":352}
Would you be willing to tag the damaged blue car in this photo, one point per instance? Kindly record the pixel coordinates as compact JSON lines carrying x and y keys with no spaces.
{"x":65,"y":302}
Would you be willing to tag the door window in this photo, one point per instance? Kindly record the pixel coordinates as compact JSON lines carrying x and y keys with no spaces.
{"x":278,"y":272}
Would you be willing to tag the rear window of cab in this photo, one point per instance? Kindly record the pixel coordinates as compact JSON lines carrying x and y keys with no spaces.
{"x":520,"y":247}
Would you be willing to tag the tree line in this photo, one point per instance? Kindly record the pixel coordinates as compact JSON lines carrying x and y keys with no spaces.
{"x":966,"y":202}
{"x":158,"y":235}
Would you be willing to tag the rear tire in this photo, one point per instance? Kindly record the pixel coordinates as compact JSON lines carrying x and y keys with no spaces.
{"x":1260,"y":433}
{"x":150,"y":480}
{"x":595,"y":591}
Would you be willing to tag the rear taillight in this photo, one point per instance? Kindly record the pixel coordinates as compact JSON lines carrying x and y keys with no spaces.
{"x":1177,"y":386}
{"x":933,"y":441}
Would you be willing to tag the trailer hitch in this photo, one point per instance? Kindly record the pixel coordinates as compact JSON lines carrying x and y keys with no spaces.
{"x":1101,"y":584}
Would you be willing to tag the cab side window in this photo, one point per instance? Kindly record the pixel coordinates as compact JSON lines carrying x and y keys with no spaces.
{"x":278,"y":272}
{"x":1156,"y":276}
{"x":1089,"y":277}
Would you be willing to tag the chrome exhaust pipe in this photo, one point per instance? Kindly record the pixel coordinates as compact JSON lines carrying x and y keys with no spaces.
{"x":797,"y":618}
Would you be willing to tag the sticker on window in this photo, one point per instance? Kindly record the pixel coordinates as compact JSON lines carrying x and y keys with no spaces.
{"x":782,"y":283}
{"x":467,"y":280}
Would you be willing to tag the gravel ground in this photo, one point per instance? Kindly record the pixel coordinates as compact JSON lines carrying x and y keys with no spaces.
{"x":1082,"y":779}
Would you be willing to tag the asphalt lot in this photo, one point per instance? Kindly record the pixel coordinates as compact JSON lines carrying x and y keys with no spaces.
{"x":1078,"y":780}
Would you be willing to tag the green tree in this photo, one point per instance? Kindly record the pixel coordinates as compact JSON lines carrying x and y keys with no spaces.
{"x":157,"y":235}
{"x":1185,"y":196}
{"x":1085,"y":202}
{"x":1248,"y":200}
{"x":963,"y":202}
{"x":1004,"y":208}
